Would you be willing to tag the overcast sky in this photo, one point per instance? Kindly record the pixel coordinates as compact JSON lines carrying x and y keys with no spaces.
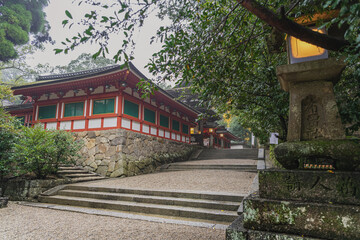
{"x":56,"y":14}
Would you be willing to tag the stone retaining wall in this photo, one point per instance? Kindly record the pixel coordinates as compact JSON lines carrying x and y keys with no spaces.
{"x":119,"y":152}
{"x":28,"y":190}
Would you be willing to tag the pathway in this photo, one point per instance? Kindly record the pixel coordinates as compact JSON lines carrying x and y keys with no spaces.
{"x":201,"y":197}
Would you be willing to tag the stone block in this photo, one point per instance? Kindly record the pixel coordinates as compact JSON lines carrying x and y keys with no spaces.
{"x":111,"y":166}
{"x":117,"y":173}
{"x":93,"y":165}
{"x":103,"y":147}
{"x":91,"y":134}
{"x":90,"y":143}
{"x":3,"y":202}
{"x":102,"y":170}
{"x":329,"y":221}
{"x":311,"y":186}
{"x":341,"y":154}
{"x":105,"y":163}
{"x":110,"y":151}
{"x":99,"y":156}
{"x":236,"y":231}
{"x":119,"y":148}
{"x":112,"y":137}
{"x":118,"y":141}
{"x":81,"y":134}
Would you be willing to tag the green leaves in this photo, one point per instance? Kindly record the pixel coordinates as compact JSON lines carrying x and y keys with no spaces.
{"x":68,"y":14}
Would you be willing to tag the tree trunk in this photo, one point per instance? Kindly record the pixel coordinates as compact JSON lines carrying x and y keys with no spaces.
{"x":283,"y":24}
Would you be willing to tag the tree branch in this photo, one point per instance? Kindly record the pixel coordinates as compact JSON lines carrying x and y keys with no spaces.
{"x":290,"y":27}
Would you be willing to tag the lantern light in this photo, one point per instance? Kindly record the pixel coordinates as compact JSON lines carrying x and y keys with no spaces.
{"x":211,"y":130}
{"x":192,"y":130}
{"x":300,"y":51}
{"x":199,"y":132}
{"x":221,"y":135}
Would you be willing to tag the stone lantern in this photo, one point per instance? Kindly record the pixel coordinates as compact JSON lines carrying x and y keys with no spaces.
{"x":316,"y":136}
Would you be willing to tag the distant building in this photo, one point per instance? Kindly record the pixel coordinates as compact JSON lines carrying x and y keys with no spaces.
{"x":108,"y":98}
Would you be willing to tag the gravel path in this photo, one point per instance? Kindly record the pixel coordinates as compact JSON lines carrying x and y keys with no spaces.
{"x":220,"y":162}
{"x":200,"y":180}
{"x":22,"y":222}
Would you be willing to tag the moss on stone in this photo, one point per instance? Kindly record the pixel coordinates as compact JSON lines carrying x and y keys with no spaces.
{"x":342,"y":154}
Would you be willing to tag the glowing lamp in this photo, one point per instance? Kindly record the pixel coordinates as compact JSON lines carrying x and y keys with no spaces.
{"x":300,"y":51}
{"x":199,"y":132}
{"x":192,"y":130}
{"x":221,"y":135}
{"x":211,"y":130}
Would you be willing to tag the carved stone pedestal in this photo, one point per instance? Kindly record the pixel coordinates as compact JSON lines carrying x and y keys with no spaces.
{"x":301,"y":205}
{"x":313,"y":111}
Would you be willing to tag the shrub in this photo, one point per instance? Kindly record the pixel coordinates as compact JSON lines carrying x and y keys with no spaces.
{"x":42,"y":151}
{"x":8,"y":136}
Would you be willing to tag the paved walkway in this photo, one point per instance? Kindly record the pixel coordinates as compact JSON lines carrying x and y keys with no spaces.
{"x":26,"y":222}
{"x":23,"y":222}
{"x":195,"y":180}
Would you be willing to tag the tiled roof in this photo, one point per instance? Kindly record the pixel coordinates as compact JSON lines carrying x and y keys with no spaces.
{"x":81,"y":74}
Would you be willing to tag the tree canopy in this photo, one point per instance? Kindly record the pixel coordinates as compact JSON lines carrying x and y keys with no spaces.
{"x":225,"y":49}
{"x":18,"y":19}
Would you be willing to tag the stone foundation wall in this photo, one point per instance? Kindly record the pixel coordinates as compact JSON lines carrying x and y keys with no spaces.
{"x":119,"y":152}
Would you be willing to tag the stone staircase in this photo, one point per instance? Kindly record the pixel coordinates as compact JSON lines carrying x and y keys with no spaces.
{"x":234,"y":161}
{"x":186,"y":167}
{"x":199,"y":206}
{"x":77,"y":174}
{"x":249,"y":153}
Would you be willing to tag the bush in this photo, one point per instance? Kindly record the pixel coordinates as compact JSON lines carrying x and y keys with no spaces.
{"x":42,"y":151}
{"x":8,"y":136}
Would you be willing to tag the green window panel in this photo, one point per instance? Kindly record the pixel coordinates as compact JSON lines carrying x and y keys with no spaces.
{"x":104,"y":106}
{"x":149,"y":115}
{"x":164,"y":121}
{"x":22,"y":120}
{"x":46,"y":112}
{"x":131,"y":109}
{"x":74,"y":109}
{"x":215,"y":140}
{"x":175,"y":125}
{"x":185,"y":129}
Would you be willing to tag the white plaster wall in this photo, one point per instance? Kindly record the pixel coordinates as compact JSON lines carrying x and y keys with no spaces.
{"x":146,"y":128}
{"x":110,"y":122}
{"x":79,"y":124}
{"x":95,"y":123}
{"x":135,"y":126}
{"x":153,"y":130}
{"x":51,"y":125}
{"x":161,"y":133}
{"x":125,"y":123}
{"x":65,"y":125}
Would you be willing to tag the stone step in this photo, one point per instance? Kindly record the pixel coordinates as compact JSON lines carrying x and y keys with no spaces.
{"x":176,"y":211}
{"x":185,"y":202}
{"x":70,"y":168}
{"x":72,"y":171}
{"x":228,"y":154}
{"x":198,"y":166}
{"x":77,"y":175}
{"x":230,"y":169}
{"x":177,"y":194}
{"x":84,"y":179}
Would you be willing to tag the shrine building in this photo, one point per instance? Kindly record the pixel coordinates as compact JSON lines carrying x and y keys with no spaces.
{"x":108,"y":98}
